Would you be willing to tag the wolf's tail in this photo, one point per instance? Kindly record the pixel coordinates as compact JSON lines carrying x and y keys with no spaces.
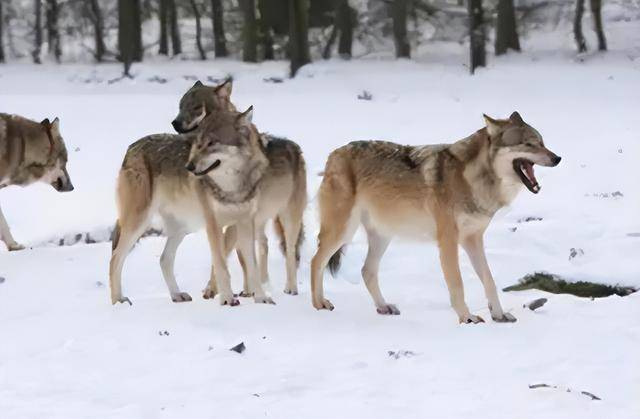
{"x":334,"y":261}
{"x":277,"y":223}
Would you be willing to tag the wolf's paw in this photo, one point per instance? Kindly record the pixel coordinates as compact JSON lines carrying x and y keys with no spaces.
{"x":121,"y":300}
{"x":471,"y":319}
{"x":264,"y":300}
{"x":209,"y":294}
{"x":180,"y":297}
{"x":388,"y":309}
{"x":323,"y":304}
{"x":245,"y":294}
{"x":13,"y":247}
{"x":229,"y":300}
{"x":506,"y":318}
{"x":291,"y":291}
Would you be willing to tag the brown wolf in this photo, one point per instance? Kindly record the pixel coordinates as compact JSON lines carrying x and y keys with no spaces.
{"x":283,"y":191}
{"x":445,"y":192}
{"x":210,"y":178}
{"x":30,"y":152}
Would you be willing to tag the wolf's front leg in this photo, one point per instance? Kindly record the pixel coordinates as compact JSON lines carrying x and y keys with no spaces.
{"x":448,"y":246}
{"x":474,"y":246}
{"x":6,"y":236}
{"x":219,"y":269}
{"x":246,"y":246}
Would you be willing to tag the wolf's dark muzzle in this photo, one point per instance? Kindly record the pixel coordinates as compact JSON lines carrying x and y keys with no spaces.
{"x":555,"y":160}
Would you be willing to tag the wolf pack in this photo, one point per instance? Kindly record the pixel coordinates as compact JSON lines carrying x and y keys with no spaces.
{"x":221,"y":174}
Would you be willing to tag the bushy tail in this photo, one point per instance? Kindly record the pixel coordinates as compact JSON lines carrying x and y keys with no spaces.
{"x":334,"y":261}
{"x":277,"y":223}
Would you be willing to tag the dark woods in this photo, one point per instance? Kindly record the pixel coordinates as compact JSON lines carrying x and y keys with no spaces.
{"x":257,"y":30}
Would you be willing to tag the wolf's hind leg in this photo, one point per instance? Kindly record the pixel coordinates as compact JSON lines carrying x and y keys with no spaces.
{"x":167,"y":261}
{"x":246,"y":246}
{"x":377,"y":246}
{"x":291,"y":229}
{"x":126,"y":235}
{"x":474,"y":247}
{"x":6,"y":236}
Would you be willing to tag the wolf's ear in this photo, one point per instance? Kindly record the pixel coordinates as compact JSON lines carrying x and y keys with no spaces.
{"x":55,"y":125}
{"x":197,"y":84}
{"x":245,"y":118}
{"x":224,"y":90}
{"x":516,"y":118}
{"x":494,"y":126}
{"x":45,"y":123}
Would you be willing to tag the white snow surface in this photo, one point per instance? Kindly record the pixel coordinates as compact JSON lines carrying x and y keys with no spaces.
{"x":66,"y":352}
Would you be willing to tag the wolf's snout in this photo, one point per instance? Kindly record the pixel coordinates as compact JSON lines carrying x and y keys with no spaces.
{"x":176,"y":125}
{"x":555,"y":160}
{"x":63,"y":185}
{"x":190,"y":167}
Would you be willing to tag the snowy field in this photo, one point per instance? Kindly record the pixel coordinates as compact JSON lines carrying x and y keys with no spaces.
{"x":66,"y":352}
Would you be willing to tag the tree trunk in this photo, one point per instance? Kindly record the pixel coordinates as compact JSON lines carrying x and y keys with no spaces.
{"x":249,"y":31}
{"x":577,"y":27}
{"x":596,"y":12}
{"x":399,"y":14}
{"x":217,"y":15}
{"x":176,"y":42}
{"x":136,"y":12}
{"x":53,"y":34}
{"x":196,"y":14}
{"x":1,"y":33}
{"x":298,"y":34}
{"x":506,"y":29}
{"x":476,"y":35}
{"x":127,"y":33}
{"x":37,"y":47}
{"x":163,"y":16}
{"x":345,"y":21}
{"x":95,"y":16}
{"x":326,"y":53}
{"x":266,"y":36}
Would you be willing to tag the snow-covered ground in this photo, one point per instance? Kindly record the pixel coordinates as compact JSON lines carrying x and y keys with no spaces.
{"x":65,"y":352}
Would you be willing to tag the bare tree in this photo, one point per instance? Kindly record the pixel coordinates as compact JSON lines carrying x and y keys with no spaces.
{"x":298,"y":34}
{"x":596,"y":12}
{"x":163,"y":15}
{"x":53,"y":34}
{"x":217,"y":16}
{"x":249,"y":31}
{"x":136,"y":14}
{"x":506,"y":29}
{"x":197,"y":15}
{"x":127,"y":33}
{"x":37,"y":47}
{"x":1,"y":33}
{"x":399,"y":15}
{"x":266,"y":36}
{"x":346,"y":20}
{"x":476,"y":35}
{"x":95,"y":16}
{"x":176,"y":43}
{"x":577,"y":27}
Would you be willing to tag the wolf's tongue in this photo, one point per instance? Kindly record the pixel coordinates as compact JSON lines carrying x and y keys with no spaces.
{"x":528,"y":167}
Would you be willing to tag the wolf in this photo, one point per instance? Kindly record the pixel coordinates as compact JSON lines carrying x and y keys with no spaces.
{"x":30,"y":152}
{"x":210,"y":178}
{"x":444,"y":192}
{"x":283,"y":191}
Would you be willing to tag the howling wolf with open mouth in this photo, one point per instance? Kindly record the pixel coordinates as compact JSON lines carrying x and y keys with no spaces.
{"x":448,"y":193}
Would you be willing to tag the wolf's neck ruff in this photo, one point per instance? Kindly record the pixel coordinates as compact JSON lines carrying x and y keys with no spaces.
{"x":245,"y":191}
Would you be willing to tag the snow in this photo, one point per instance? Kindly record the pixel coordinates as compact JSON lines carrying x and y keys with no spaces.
{"x":65,"y":352}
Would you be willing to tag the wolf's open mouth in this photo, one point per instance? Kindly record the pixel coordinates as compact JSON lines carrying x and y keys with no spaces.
{"x":524,"y":169}
{"x":208,"y":169}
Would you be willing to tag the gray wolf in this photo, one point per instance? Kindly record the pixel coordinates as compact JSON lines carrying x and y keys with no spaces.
{"x":210,"y":179}
{"x":444,"y":192}
{"x":283,"y":190}
{"x":30,"y":152}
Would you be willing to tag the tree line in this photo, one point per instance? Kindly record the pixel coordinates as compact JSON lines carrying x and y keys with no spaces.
{"x":260,"y":29}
